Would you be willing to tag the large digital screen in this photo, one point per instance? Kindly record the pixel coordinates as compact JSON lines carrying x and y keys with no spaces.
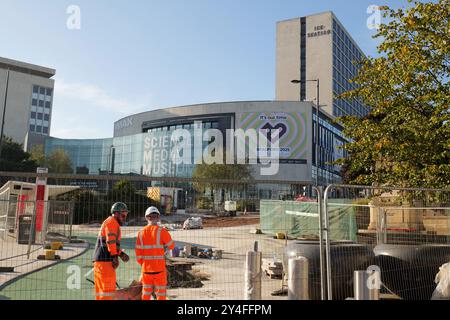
{"x":293,"y":143}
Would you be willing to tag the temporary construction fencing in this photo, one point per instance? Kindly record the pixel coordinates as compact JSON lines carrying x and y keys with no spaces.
{"x":73,"y":214}
{"x":401,"y":232}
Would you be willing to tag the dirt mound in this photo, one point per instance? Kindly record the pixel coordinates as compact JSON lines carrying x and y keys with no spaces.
{"x":217,"y":222}
{"x":181,"y":275}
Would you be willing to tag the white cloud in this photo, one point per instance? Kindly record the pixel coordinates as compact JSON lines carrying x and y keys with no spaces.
{"x":94,"y":96}
{"x":85,"y":111}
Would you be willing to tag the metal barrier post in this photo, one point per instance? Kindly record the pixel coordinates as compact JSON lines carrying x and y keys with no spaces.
{"x":319,"y":192}
{"x":253,"y":275}
{"x":71,"y":210}
{"x":379,"y":225}
{"x":327,"y":242}
{"x":32,"y":231}
{"x":298,"y":280}
{"x":362,"y":289}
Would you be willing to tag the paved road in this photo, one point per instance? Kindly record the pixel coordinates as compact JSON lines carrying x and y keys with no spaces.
{"x":226,"y":276}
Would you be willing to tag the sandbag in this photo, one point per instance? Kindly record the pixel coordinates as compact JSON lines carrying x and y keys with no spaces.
{"x":193,"y":223}
{"x":442,"y":291}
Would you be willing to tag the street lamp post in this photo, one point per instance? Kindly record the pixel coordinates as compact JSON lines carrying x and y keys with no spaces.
{"x":316,"y":140}
{"x":4,"y":112}
{"x":321,"y":222}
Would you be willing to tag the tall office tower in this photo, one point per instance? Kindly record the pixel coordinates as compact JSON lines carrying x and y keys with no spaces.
{"x":28,"y":110}
{"x":317,"y":47}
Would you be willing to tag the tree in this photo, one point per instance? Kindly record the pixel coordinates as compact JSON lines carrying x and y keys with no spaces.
{"x":59,"y":162}
{"x":123,"y":189}
{"x":405,"y":140}
{"x":38,"y":155}
{"x":220,"y":176}
{"x":137,"y":203}
{"x":14,"y":158}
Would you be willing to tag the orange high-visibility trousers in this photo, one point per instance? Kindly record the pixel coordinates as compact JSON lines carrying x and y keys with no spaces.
{"x":105,"y":280}
{"x":154,"y":283}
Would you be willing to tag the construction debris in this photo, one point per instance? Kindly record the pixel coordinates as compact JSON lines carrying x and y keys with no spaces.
{"x":217,"y":254}
{"x":172,"y":226}
{"x":196,"y":252}
{"x":176,"y":252}
{"x":193,"y":223}
{"x":205,"y":254}
{"x":272,"y":268}
{"x":280,"y":292}
{"x":255,"y":231}
{"x":181,"y":275}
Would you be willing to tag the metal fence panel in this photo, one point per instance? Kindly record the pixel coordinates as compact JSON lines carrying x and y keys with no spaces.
{"x":402,"y":231}
{"x":79,"y":204}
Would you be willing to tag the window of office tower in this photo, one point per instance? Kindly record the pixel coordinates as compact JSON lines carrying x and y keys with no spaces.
{"x":41,"y":103}
{"x":345,"y":57}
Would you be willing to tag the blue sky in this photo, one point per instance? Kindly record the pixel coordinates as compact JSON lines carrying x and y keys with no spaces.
{"x":133,"y":56}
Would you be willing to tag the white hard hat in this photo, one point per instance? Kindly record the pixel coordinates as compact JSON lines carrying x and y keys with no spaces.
{"x":151,"y":210}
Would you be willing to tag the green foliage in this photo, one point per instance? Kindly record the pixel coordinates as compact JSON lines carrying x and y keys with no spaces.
{"x":225,"y":172}
{"x":405,"y":140}
{"x":59,"y":162}
{"x":93,"y":206}
{"x":38,"y":155}
{"x":124,"y":189}
{"x":204,"y":203}
{"x":14,"y":158}
{"x":89,"y":207}
{"x":244,"y":204}
{"x":137,"y":203}
{"x":216,"y":173}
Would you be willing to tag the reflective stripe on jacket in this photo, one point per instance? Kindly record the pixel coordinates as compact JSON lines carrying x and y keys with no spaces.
{"x":108,"y":240}
{"x":151,"y":244}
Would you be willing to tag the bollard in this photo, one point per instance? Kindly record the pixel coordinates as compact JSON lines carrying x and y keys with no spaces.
{"x":298,"y":281}
{"x":364,"y":288}
{"x":253,"y":276}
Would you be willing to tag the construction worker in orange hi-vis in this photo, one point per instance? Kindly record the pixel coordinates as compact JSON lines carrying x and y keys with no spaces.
{"x":107,"y":252}
{"x":151,"y":245}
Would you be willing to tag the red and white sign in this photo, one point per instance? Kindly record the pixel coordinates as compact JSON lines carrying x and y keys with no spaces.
{"x":41,"y":183}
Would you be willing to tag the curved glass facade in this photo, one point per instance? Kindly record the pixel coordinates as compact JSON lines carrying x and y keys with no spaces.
{"x":150,"y":153}
{"x":88,"y":156}
{"x":141,"y":154}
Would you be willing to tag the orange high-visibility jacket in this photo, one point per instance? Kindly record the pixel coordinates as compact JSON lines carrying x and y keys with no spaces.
{"x":151,"y":243}
{"x":108,"y":241}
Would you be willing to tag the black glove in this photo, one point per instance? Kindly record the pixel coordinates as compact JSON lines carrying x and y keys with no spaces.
{"x":115,"y":262}
{"x":124,"y":257}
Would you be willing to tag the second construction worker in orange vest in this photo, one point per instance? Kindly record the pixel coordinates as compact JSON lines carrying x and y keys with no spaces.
{"x":107,"y":252}
{"x":151,"y":244}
